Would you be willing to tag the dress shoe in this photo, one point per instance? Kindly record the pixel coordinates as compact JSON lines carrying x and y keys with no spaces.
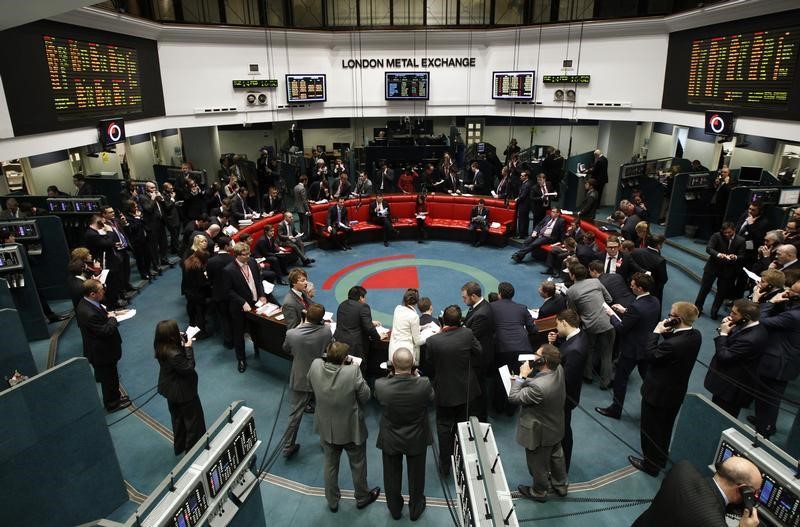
{"x":587,"y":380}
{"x":396,"y":516}
{"x":164,"y":261}
{"x":58,"y":318}
{"x":639,"y":464}
{"x":752,"y":420}
{"x":129,"y":288}
{"x":292,"y":451}
{"x":386,"y":244}
{"x":310,"y":260}
{"x":120,"y":405}
{"x":560,"y":493}
{"x":767,"y":432}
{"x":419,"y":241}
{"x":309,"y":409}
{"x":242,"y":366}
{"x":528,"y":492}
{"x":415,"y":517}
{"x":373,"y":495}
{"x":334,"y":508}
{"x":608,"y":412}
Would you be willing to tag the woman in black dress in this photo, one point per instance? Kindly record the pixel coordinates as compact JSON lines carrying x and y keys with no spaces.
{"x":196,"y":285}
{"x":177,"y":382}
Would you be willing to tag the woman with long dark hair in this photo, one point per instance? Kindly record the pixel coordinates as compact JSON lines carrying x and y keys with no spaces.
{"x":421,"y":214}
{"x":177,"y":382}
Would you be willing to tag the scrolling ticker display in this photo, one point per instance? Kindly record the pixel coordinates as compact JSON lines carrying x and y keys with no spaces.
{"x":750,"y":66}
{"x":513,"y":85}
{"x":407,"y":85}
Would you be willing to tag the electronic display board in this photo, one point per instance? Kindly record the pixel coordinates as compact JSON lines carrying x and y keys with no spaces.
{"x":61,"y":76}
{"x":513,"y":85}
{"x":192,"y":508}
{"x":229,"y":460}
{"x":405,"y":86}
{"x":750,"y":66}
{"x":306,"y":88}
{"x":566,"y":79}
{"x":255,"y":83}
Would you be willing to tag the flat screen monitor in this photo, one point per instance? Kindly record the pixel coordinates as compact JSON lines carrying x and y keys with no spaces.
{"x":191,"y":509}
{"x":789,"y":196}
{"x":697,"y":181}
{"x":380,"y":134}
{"x":407,"y":86}
{"x":719,"y":123}
{"x":513,"y":85}
{"x":111,"y":132}
{"x":306,"y":88}
{"x":750,"y":175}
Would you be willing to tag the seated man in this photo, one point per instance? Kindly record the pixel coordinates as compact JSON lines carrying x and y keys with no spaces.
{"x":267,"y":247}
{"x":379,"y":213}
{"x":288,"y":237}
{"x":339,"y":226}
{"x":549,"y":230}
{"x":272,"y":202}
{"x":479,"y":223}
{"x":558,"y":254}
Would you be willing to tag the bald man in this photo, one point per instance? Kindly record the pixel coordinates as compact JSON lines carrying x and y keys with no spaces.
{"x":688,"y":499}
{"x":785,"y":258}
{"x":404,"y":431}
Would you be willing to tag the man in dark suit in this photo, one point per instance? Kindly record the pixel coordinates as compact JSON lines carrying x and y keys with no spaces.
{"x":102,"y":343}
{"x":540,"y":201}
{"x":242,"y":281}
{"x":616,"y":261}
{"x":591,"y":201}
{"x":480,"y":184}
{"x":267,"y":247}
{"x":354,"y":324}
{"x":341,"y":393}
{"x":731,"y":377}
{"x":599,"y":172}
{"x":785,"y":258}
{"x":541,"y":394}
{"x":574,"y":348}
{"x":479,"y":223}
{"x":719,"y":198}
{"x":725,"y":248}
{"x":273,"y":203}
{"x":452,"y":356}
{"x":631,"y":219}
{"x":549,"y":230}
{"x":513,"y":329}
{"x":780,"y":363}
{"x":688,"y":499}
{"x":103,"y":243}
{"x":650,"y":259}
{"x":523,"y":200}
{"x":339,"y":226}
{"x":219,"y":295}
{"x":554,"y":302}
{"x":342,"y":186}
{"x":404,"y":398}
{"x":753,"y":226}
{"x":480,"y":320}
{"x":296,"y":301}
{"x":669,"y":365}
{"x":240,"y":209}
{"x":116,"y":226}
{"x":380,"y":214}
{"x":304,"y":343}
{"x":83,"y":188}
{"x":152,"y":204}
{"x":613,"y":282}
{"x":172,"y":217}
{"x":633,"y":329}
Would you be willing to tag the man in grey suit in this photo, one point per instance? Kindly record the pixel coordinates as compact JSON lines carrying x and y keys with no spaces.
{"x":290,"y":238}
{"x":341,"y":392}
{"x":304,"y":343}
{"x":540,"y":429}
{"x":296,"y":302}
{"x":301,"y":205}
{"x":405,"y":397}
{"x":587,"y":296}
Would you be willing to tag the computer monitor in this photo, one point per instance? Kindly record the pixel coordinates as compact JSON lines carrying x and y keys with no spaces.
{"x":341,"y":147}
{"x":750,"y":175}
{"x":397,"y":127}
{"x":789,"y":196}
{"x":380,"y":134}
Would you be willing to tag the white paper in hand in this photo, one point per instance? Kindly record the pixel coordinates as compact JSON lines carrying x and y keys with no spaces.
{"x":505,"y":375}
{"x":355,"y":360}
{"x":128,"y":313}
{"x":611,"y":312}
{"x":268,"y":287}
{"x":751,"y":275}
{"x":527,"y":356}
{"x":327,"y":316}
{"x":191,"y":331}
{"x":103,"y":276}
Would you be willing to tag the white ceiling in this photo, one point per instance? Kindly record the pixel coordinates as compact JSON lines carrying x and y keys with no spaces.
{"x":18,"y":12}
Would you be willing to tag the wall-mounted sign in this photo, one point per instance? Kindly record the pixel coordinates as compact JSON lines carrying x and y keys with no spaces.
{"x":425,"y":62}
{"x":566,"y":79}
{"x":256,"y":83}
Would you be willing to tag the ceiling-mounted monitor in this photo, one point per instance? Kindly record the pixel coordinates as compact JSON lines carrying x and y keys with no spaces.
{"x":750,"y":175}
{"x":719,"y":123}
{"x":407,"y":86}
{"x":306,"y":88}
{"x":513,"y":85}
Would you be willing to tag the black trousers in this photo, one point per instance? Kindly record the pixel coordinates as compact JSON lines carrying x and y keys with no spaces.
{"x":386,"y":223}
{"x":566,"y":442}
{"x":107,"y":376}
{"x":446,"y":419}
{"x":625,"y":366}
{"x":188,"y":424}
{"x":725,"y":285}
{"x":222,"y":308}
{"x":767,"y":409}
{"x":523,"y":219}
{"x":729,"y":406}
{"x":142,"y":255}
{"x":157,"y":245}
{"x":175,"y":241}
{"x":421,"y":232}
{"x":125,"y":268}
{"x":341,"y":237}
{"x":478,"y":232}
{"x":393,"y":483}
{"x":196,"y":309}
{"x":656,"y":433}
{"x":238,"y":325}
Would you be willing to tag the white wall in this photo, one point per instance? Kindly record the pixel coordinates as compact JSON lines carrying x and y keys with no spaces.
{"x":660,"y":146}
{"x":140,"y":159}
{"x":617,"y":140}
{"x":743,"y":157}
{"x":59,"y":174}
{"x":201,"y":147}
{"x":702,"y":151}
{"x":170,"y":150}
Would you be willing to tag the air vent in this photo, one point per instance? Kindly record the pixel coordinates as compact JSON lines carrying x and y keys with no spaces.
{"x":215,"y":110}
{"x":608,"y":104}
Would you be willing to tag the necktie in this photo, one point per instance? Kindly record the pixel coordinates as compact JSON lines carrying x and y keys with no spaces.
{"x":248,"y":277}
{"x":122,"y":239}
{"x":608,"y":264}
{"x":339,"y":214}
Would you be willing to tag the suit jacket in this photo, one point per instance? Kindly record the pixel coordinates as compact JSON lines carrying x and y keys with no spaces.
{"x":333,"y":217}
{"x":651,"y":260}
{"x":265,"y":247}
{"x":101,"y":246}
{"x":629,"y":228}
{"x":153,"y":212}
{"x":481,"y":186}
{"x":341,"y":393}
{"x":781,"y":358}
{"x":574,"y":353}
{"x":102,"y":343}
{"x":636,"y":325}
{"x":687,"y":499}
{"x":177,"y":378}
{"x":75,"y":286}
{"x":480,"y":320}
{"x":752,"y":233}
{"x":452,"y":183}
{"x":524,"y":195}
{"x":588,"y":207}
{"x":552,"y":306}
{"x":599,"y":170}
{"x":273,"y":204}
{"x":475,"y":216}
{"x":239,"y":208}
{"x":344,"y":191}
{"x":539,"y":201}
{"x":541,"y":416}
{"x":293,"y":309}
{"x":285,"y":230}
{"x":354,"y":327}
{"x":215,"y":269}
{"x":404,"y":421}
{"x":425,"y":319}
{"x":300,"y":199}
{"x":618,"y":289}
{"x":305,"y":343}
{"x":512,"y":325}
{"x":373,"y":212}
{"x":669,"y":365}
{"x":734,"y":366}
{"x":557,"y":234}
{"x":587,"y":296}
{"x":363,"y":188}
{"x":452,"y":357}
{"x":236,"y":285}
{"x":717,"y":245}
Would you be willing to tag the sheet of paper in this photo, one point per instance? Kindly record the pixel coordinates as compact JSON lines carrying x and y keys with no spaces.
{"x":606,"y":307}
{"x":327,"y":316}
{"x":526,"y":356}
{"x":751,"y":275}
{"x":495,"y":225}
{"x":280,"y":317}
{"x":268,"y":287}
{"x":551,"y":193}
{"x":260,"y":260}
{"x":230,"y":230}
{"x":259,"y":304}
{"x":505,"y":375}
{"x":191,"y":331}
{"x":103,"y":276}
{"x":534,"y":312}
{"x":268,"y":309}
{"x":382,"y":331}
{"x":333,"y":327}
{"x":355,"y":360}
{"x":565,"y":211}
{"x":494,"y":194}
{"x":429,"y":331}
{"x":126,"y":314}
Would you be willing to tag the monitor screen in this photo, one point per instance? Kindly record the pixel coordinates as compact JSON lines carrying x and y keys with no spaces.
{"x":789,"y":196}
{"x":111,"y":132}
{"x":380,"y":134}
{"x":513,"y":85}
{"x":192,"y":508}
{"x":402,"y":86}
{"x":71,"y":77}
{"x":750,"y":175}
{"x":306,"y":88}
{"x":719,"y":123}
